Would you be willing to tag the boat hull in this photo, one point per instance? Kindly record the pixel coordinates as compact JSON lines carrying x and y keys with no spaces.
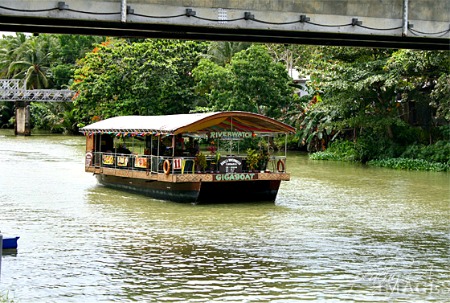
{"x":239,"y":191}
{"x":196,"y":192}
{"x":178,"y":192}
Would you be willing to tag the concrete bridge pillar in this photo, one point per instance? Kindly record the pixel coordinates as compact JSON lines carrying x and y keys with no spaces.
{"x":23,"y":117}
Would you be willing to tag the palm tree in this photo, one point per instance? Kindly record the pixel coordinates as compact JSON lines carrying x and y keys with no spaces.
{"x":8,"y":48}
{"x":32,"y":60}
{"x":222,"y":52}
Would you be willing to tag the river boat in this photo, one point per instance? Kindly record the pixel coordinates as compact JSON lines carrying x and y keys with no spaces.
{"x":10,"y":242}
{"x":160,"y":156}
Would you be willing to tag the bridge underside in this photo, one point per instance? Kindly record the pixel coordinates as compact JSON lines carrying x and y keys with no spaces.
{"x":413,"y":24}
{"x":174,"y":31}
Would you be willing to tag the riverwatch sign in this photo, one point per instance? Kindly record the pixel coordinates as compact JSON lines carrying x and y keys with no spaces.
{"x":230,"y":135}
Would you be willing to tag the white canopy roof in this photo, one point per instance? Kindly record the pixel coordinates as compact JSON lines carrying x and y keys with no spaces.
{"x":189,"y":123}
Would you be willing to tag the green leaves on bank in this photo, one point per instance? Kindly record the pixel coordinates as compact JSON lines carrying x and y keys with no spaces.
{"x":152,"y":77}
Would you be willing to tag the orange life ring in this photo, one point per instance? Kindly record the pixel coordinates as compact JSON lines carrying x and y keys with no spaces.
{"x":166,"y":167}
{"x":280,"y":166}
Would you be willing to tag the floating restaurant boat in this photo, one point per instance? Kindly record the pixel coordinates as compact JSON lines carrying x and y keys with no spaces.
{"x":159,"y":156}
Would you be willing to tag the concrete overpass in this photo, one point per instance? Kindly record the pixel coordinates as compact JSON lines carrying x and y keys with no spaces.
{"x":415,"y":24}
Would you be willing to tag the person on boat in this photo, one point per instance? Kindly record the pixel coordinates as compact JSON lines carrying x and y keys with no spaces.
{"x":195,"y":148}
{"x":123,"y":150}
{"x":179,"y":145}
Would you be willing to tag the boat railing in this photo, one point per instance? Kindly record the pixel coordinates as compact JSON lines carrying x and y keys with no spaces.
{"x":178,"y":164}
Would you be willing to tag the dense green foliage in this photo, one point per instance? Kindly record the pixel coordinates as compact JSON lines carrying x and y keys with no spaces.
{"x":44,"y":61}
{"x":433,"y":157}
{"x":378,"y":101}
{"x":251,"y":82}
{"x":410,"y":164}
{"x":379,"y":94}
{"x":142,"y":78}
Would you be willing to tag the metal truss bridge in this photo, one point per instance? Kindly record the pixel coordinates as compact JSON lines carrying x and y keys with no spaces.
{"x":10,"y":90}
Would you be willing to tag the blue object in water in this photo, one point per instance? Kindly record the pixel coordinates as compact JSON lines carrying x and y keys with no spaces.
{"x":10,"y":242}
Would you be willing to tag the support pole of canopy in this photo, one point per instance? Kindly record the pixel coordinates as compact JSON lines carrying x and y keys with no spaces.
{"x":231,"y":142}
{"x":285,"y":147}
{"x":173,"y":151}
{"x":157,"y":152}
{"x":151,"y":153}
{"x":97,"y":145}
{"x":157,"y":159}
{"x":173,"y":146}
{"x":115,"y":152}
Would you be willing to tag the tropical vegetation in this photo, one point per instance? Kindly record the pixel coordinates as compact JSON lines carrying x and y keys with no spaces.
{"x":383,"y":107}
{"x":376,"y":104}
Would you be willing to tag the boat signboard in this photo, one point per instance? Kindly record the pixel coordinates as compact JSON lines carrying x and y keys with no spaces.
{"x":230,"y":165}
{"x":236,"y":177}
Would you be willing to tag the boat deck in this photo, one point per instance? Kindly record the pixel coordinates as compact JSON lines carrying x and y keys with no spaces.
{"x":195,"y":177}
{"x":146,"y":171}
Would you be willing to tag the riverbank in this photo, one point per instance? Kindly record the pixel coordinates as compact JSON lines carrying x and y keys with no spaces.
{"x":434,"y":157}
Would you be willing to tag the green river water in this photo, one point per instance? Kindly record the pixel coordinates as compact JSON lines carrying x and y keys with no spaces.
{"x":338,"y":232}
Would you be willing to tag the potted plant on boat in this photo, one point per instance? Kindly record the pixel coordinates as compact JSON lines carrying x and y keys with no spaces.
{"x":263,"y":159}
{"x":217,"y":160}
{"x":214,"y":164}
{"x":252,"y":159}
{"x":200,"y":162}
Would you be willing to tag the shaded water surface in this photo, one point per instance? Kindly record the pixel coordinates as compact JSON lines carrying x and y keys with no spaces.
{"x":337,"y":232}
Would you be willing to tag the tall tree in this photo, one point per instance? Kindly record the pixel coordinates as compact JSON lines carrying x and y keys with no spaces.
{"x":222,"y":52}
{"x":368,"y":91}
{"x":70,"y":49}
{"x":9,"y":45}
{"x":142,"y":78}
{"x":32,"y":61}
{"x":251,"y":82}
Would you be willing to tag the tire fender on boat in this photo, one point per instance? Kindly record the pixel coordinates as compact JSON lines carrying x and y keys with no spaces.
{"x":280,"y":166}
{"x":166,"y":167}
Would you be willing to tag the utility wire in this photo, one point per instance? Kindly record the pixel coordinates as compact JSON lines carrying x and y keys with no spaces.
{"x":440,"y":34}
{"x":380,"y":29}
{"x":28,"y":10}
{"x":328,"y":25}
{"x":274,"y":23}
{"x":90,"y":13}
{"x":218,"y":20}
{"x":157,"y":17}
